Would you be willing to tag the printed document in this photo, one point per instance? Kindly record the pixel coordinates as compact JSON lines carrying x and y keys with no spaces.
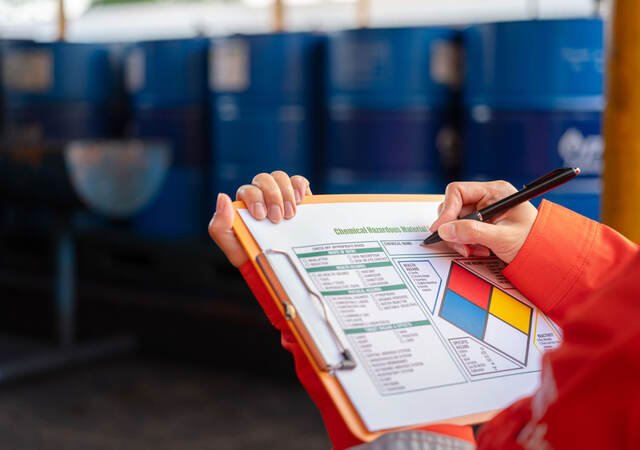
{"x":435,"y":335}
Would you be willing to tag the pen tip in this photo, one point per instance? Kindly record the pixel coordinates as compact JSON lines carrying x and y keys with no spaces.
{"x":577,"y":170}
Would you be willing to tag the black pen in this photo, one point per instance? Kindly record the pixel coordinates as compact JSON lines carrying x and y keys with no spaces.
{"x":538,"y":187}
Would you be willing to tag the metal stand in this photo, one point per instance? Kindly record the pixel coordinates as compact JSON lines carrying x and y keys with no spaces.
{"x":65,"y":280}
{"x":68,"y":352}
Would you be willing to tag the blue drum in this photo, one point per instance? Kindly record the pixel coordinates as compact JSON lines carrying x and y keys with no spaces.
{"x":391,"y":110}
{"x":57,"y":91}
{"x":533,"y":102}
{"x":265,"y":95}
{"x":167,"y":85}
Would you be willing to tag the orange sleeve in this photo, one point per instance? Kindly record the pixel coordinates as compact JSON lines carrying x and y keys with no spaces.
{"x":589,"y":395}
{"x":338,"y":432}
{"x":565,"y":258}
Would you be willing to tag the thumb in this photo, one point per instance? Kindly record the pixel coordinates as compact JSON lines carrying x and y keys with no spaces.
{"x":473,"y":232}
{"x":222,"y":233}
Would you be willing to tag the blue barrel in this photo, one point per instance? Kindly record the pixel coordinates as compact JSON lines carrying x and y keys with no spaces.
{"x":533,"y":102}
{"x":265,"y":93}
{"x":391,"y":110}
{"x":168,"y":96}
{"x":57,"y":91}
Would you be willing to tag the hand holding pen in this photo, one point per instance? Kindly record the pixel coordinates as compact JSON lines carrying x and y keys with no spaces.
{"x":508,"y":216}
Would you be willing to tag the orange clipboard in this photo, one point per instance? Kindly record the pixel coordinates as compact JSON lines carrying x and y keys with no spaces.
{"x":324,"y":371}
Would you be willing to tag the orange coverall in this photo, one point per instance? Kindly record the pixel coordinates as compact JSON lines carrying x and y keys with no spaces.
{"x":586,"y":277}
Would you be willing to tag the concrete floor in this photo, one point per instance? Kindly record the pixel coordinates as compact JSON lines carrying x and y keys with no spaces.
{"x":139,"y":404}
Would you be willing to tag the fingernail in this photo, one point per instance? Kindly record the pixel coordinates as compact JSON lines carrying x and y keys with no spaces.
{"x":447,"y":231}
{"x":288,"y":210}
{"x":275,"y":213}
{"x":297,"y":195}
{"x":259,"y":212}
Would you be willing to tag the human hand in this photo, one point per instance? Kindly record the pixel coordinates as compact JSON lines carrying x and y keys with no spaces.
{"x":274,"y":196}
{"x":503,"y":235}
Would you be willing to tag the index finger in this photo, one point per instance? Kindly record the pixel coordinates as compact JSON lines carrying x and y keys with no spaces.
{"x":472,"y":193}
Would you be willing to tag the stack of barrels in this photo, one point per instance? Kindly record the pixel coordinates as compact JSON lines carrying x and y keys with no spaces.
{"x":52,"y":93}
{"x":355,"y":111}
{"x":265,"y":106}
{"x":533,"y":102}
{"x":57,"y":91}
{"x":391,"y":110}
{"x":167,"y":87}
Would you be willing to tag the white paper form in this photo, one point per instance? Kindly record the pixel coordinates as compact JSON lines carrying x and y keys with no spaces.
{"x":435,"y":335}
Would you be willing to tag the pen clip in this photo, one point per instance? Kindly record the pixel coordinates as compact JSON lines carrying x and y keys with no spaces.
{"x":543,"y":178}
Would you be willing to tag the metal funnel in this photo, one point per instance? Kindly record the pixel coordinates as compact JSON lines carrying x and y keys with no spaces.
{"x":117,"y":178}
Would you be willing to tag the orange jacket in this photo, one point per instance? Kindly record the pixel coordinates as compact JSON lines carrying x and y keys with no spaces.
{"x":582,"y":274}
{"x":586,"y":277}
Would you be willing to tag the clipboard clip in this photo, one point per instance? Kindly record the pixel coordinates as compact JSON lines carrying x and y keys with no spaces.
{"x":348,"y":362}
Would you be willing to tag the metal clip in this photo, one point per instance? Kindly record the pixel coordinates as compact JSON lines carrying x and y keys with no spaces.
{"x":348,"y":362}
{"x":289,"y":311}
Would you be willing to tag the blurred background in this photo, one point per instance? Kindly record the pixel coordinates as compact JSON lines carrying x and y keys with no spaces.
{"x":123,"y":326}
